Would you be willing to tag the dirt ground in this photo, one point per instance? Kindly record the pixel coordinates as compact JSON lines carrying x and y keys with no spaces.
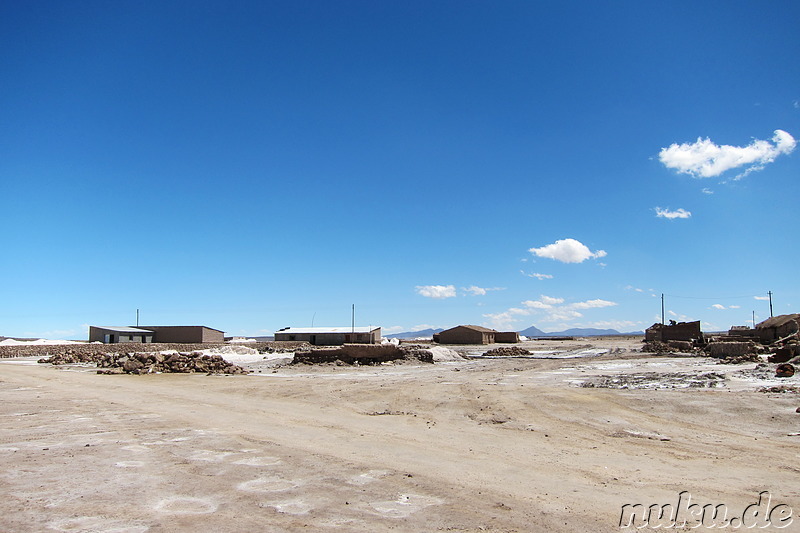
{"x":498,"y":445}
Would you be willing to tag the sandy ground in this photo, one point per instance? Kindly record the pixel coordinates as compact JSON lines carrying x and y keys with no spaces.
{"x":495,"y":445}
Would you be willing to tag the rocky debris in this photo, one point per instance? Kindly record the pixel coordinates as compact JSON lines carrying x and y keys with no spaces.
{"x":681,"y":346}
{"x":659,"y":347}
{"x":784,"y":370}
{"x":784,"y":354}
{"x":507,"y":351}
{"x":363,"y":354}
{"x":656,"y":380}
{"x":741,"y":359}
{"x":781,"y":389}
{"x":96,"y":348}
{"x":150,"y":362}
{"x":282,"y":346}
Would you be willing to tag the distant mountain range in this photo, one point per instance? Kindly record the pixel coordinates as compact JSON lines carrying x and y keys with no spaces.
{"x":532,"y":331}
{"x":413,"y":334}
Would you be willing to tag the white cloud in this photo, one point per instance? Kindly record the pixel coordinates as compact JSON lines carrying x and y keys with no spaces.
{"x":761,"y":297}
{"x":551,"y":300}
{"x":537,"y":275}
{"x":718,"y":306}
{"x":592,"y":304}
{"x":548,"y":308}
{"x":562,"y":314}
{"x":420,"y":327}
{"x":476,"y":291}
{"x":535,"y":304}
{"x":504,"y":320}
{"x":480,"y":291}
{"x":734,"y":307}
{"x":392,"y":329}
{"x":705,"y":159}
{"x":666,"y":213}
{"x":706,"y":190}
{"x":436,"y":291}
{"x":567,"y":251}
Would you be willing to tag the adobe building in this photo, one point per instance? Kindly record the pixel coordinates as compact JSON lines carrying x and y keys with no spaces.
{"x":674,"y":331}
{"x":474,"y":335}
{"x":506,"y":337}
{"x":465,"y":335}
{"x":187,"y":334}
{"x":335,"y":336}
{"x":778,"y":327}
{"x":163,"y":334}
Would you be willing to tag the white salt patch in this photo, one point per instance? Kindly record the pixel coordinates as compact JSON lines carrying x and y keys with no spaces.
{"x":405,"y":505}
{"x":209,"y":455}
{"x":129,"y":464}
{"x":186,"y":505}
{"x":96,"y":523}
{"x":268,"y":484}
{"x":440,"y":353}
{"x":367,"y":477}
{"x":38,"y":342}
{"x":258,"y":461}
{"x":136,"y":448}
{"x":294,"y":507}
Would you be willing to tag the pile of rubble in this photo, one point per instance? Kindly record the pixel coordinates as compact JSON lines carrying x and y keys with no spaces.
{"x":785,"y":353}
{"x":668,"y":347}
{"x":94,"y":348}
{"x":507,"y":351}
{"x":363,"y":354}
{"x":740,"y":359}
{"x":280,"y":346}
{"x":149,"y":362}
{"x":657,"y":381}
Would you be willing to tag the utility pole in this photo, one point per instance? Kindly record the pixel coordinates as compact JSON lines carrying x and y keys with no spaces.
{"x":770,"y":304}
{"x":662,"y":308}
{"x":754,"y":320}
{"x":353,"y":323}
{"x":137,"y":318}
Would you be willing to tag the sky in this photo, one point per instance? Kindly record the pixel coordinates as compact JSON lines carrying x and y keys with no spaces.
{"x":250,"y":166}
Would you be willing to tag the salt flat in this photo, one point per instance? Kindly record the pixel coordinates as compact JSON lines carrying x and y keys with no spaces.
{"x":476,"y":445}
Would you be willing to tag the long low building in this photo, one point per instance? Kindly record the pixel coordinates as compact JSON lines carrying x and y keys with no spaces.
{"x":148,"y":334}
{"x":331,"y":336}
{"x":475,"y":335}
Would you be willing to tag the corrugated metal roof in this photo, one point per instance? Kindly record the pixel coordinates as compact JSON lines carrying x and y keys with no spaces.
{"x":168,"y":327}
{"x":125,"y":329}
{"x":344,"y":329}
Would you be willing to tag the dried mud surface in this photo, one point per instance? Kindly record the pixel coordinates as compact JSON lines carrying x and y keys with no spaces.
{"x":496,"y":444}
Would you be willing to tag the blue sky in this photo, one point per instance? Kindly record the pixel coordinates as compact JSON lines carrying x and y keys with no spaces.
{"x":255,"y":165}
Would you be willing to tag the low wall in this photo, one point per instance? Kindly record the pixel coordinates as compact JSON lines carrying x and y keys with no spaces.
{"x":43,"y":350}
{"x":364,"y":354}
{"x":730,"y":349}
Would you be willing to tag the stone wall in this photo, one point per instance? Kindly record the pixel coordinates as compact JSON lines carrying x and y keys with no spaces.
{"x":363,"y":354}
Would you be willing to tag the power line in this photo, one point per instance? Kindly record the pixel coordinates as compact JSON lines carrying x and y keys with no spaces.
{"x":714,"y":297}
